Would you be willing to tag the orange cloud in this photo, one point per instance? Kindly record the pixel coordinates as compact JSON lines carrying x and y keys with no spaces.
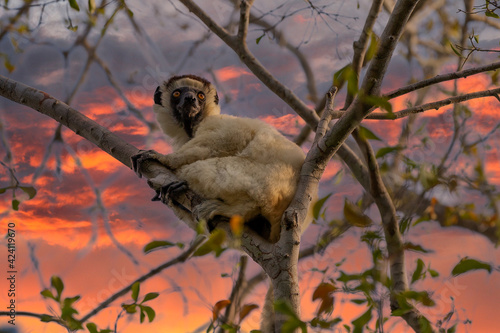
{"x":231,"y":72}
{"x":290,"y":124}
{"x":331,"y":170}
{"x":93,"y":159}
{"x":299,"y":18}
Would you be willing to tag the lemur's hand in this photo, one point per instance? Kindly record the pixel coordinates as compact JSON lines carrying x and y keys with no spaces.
{"x":144,"y":155}
{"x":170,"y":191}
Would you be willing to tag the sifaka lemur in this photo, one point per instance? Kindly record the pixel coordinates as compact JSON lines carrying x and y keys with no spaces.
{"x":242,"y":166}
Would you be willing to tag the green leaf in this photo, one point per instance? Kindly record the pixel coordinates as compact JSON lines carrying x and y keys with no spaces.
{"x":74,"y":4}
{"x":318,"y":205}
{"x":143,"y":315}
{"x":92,"y":328}
{"x":70,"y":300}
{"x":67,"y":312}
{"x":418,"y":271}
{"x":46,"y":318}
{"x":456,"y":51}
{"x":156,"y":245}
{"x":355,"y":216}
{"x":359,"y":301}
{"x":415,"y":247}
{"x":387,"y":150}
{"x":379,"y":101}
{"x":433,"y":273}
{"x":130,"y":308}
{"x":348,"y":277}
{"x":150,"y":296}
{"x":316,"y":322}
{"x":135,"y":290}
{"x":29,"y":190}
{"x":213,"y":244}
{"x":324,"y":292}
{"x":490,"y":13}
{"x":246,"y":310}
{"x":344,"y":74}
{"x":58,"y":285}
{"x":257,"y":41}
{"x":372,"y":48}
{"x":48,"y":294}
{"x":293,"y":322}
{"x":419,"y":296}
{"x":404,"y":225}
{"x":15,"y":204}
{"x":466,"y":265}
{"x":362,"y":320}
{"x":149,"y":312}
{"x":367,"y":134}
{"x":8,"y":65}
{"x":494,"y":77}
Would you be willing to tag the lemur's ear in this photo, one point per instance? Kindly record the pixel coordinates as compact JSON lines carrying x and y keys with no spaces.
{"x":216,"y":99}
{"x":157,"y":97}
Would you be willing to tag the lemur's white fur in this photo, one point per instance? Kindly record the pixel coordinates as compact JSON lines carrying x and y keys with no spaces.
{"x":243,"y":166}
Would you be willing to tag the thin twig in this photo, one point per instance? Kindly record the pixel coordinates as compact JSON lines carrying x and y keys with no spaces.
{"x":442,"y":78}
{"x":435,"y":105}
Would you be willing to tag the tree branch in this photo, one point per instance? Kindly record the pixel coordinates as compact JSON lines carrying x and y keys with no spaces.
{"x":236,"y":293}
{"x":435,"y":105}
{"x":361,"y":45}
{"x":442,"y":78}
{"x":245,"y":6}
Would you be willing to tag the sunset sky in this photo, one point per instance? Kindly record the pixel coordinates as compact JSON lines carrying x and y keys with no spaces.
{"x":90,"y":220}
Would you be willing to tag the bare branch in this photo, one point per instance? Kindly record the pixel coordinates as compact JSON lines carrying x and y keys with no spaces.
{"x":327,"y":116}
{"x":237,"y":292}
{"x":373,"y":79}
{"x":361,"y":45}
{"x":442,"y":78}
{"x":435,"y":105}
{"x":62,"y":113}
{"x":32,"y":314}
{"x":245,"y":6}
{"x":211,"y":24}
{"x":282,"y":266}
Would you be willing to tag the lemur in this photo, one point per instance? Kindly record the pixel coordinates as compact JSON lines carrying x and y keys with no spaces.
{"x":242,"y":166}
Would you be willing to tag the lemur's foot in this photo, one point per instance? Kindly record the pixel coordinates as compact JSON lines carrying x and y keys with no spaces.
{"x":208,"y":211}
{"x":170,"y":191}
{"x":141,"y":157}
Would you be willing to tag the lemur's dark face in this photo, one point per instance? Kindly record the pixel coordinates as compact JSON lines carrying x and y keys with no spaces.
{"x":187,"y":105}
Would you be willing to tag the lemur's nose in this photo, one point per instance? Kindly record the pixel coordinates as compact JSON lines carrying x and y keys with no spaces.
{"x":189,"y":97}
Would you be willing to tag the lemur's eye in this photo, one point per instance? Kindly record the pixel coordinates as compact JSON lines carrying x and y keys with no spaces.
{"x":176,"y":93}
{"x":201,"y":96}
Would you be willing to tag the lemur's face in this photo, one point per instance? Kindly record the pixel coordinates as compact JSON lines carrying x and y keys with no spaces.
{"x":188,"y":99}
